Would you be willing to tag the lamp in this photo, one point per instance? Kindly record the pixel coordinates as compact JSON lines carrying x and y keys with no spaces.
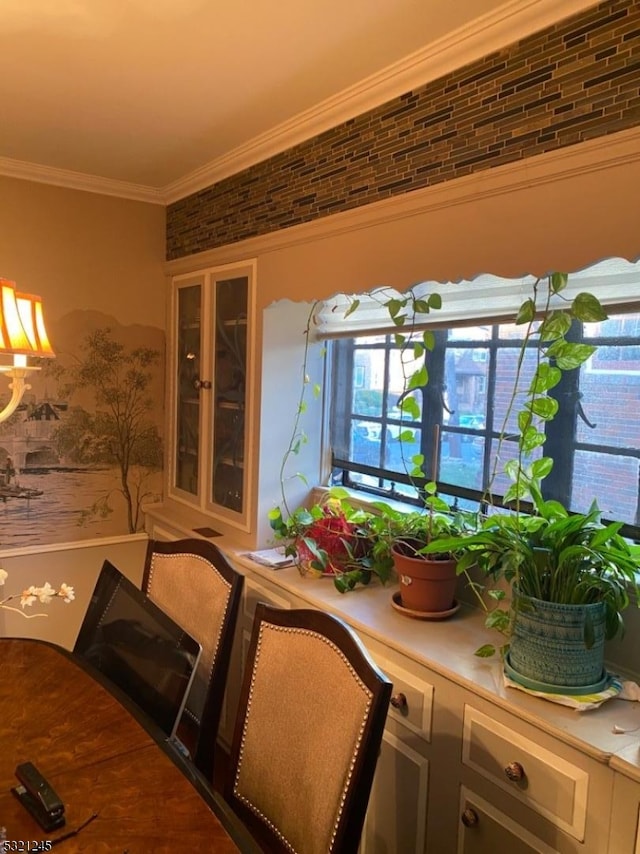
{"x":22,"y":334}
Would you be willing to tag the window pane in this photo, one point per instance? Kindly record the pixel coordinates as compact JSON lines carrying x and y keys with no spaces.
{"x":612,"y":480}
{"x":610,"y":387}
{"x":465,"y":392}
{"x":365,"y":480}
{"x":618,"y":326}
{"x":508,"y":451}
{"x":471,"y":376}
{"x":365,"y":443}
{"x":470,"y":333}
{"x":368,"y":381}
{"x":514,"y":332}
{"x":398,"y":454}
{"x":401,"y":367}
{"x":461,"y":460}
{"x":400,"y":489}
{"x":369,"y":340}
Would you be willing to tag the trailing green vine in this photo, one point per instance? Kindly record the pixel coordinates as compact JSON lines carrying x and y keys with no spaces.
{"x":299,"y":437}
{"x":356,"y":548}
{"x":541,"y":549}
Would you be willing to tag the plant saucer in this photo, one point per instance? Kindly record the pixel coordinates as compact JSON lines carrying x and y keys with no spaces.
{"x":546,"y":688}
{"x":396,"y":602}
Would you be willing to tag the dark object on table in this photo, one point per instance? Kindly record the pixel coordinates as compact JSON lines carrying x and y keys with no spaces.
{"x":132,"y":642}
{"x":39,"y":797}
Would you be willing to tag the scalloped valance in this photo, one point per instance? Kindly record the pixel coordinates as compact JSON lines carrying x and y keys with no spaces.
{"x":485,"y":299}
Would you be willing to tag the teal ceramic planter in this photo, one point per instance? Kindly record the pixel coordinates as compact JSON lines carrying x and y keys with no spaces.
{"x":548,"y":645}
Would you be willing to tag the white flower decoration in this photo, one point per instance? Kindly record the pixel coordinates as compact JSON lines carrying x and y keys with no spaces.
{"x":28,"y":596}
{"x":44,"y":594}
{"x":67,"y":592}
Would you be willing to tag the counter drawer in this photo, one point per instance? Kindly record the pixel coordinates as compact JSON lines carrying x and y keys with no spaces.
{"x":485,"y":828}
{"x":545,"y":782}
{"x":411,"y":699}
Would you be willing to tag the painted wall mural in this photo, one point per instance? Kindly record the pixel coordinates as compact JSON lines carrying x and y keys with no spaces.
{"x":84,"y":449}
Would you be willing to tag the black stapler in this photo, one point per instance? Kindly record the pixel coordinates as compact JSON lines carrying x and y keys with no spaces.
{"x":39,"y":797}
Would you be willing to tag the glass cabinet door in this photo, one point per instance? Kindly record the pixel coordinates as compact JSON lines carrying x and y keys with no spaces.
{"x":211,"y":377}
{"x":187,"y":367}
{"x":230,"y":299}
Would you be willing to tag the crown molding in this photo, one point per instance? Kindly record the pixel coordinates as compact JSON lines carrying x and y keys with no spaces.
{"x":604,"y":152}
{"x":505,"y":25}
{"x":509,"y":23}
{"x":79,"y":181}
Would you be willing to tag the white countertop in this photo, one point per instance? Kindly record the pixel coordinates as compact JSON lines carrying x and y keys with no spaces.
{"x":447,"y":647}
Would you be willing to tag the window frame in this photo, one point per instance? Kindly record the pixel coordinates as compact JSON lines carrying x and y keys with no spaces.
{"x":557,"y":485}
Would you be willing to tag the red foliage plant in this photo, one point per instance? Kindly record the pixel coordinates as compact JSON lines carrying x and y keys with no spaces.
{"x":332,"y":534}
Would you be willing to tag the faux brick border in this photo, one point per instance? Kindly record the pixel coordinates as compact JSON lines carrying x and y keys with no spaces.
{"x":576,"y":80}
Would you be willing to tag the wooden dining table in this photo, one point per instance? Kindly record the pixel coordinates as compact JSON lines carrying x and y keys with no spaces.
{"x":123,"y":787}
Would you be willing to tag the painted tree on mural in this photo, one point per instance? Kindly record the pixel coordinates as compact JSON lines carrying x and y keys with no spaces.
{"x":119,"y":432}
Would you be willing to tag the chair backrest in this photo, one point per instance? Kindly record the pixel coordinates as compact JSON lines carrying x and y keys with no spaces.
{"x":193,"y":582}
{"x":312,"y":711}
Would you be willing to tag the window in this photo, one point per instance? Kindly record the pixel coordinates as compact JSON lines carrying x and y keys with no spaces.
{"x":594,"y":439}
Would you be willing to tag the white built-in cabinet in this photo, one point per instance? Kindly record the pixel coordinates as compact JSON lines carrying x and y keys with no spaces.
{"x":625,"y":814}
{"x":211,"y":389}
{"x":519,"y":783}
{"x":471,"y":779}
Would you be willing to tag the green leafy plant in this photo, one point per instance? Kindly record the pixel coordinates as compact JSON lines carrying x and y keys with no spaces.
{"x":537,"y":547}
{"x":546,"y":329}
{"x":554,"y":556}
{"x":336,"y":538}
{"x":413,"y":531}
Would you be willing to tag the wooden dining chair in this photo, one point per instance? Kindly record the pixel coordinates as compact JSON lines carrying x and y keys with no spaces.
{"x":194,"y":583}
{"x":308,"y":731}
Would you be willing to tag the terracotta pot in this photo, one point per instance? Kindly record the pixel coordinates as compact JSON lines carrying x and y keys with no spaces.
{"x":425,"y":585}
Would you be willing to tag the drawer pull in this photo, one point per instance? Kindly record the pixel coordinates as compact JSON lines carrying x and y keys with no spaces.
{"x":399,"y":701}
{"x":469,"y":817}
{"x":514,"y":772}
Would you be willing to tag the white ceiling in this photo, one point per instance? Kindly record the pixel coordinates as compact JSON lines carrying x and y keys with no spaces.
{"x":156,"y":98}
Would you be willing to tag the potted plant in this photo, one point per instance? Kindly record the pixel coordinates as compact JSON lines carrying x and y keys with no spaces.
{"x":534,"y":552}
{"x":427,"y":580}
{"x":335,"y":538}
{"x":331,"y":537}
{"x":569,"y":578}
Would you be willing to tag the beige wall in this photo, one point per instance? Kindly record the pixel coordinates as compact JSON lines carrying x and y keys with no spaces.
{"x":75,"y":564}
{"x":97,"y":263}
{"x":81,"y":250}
